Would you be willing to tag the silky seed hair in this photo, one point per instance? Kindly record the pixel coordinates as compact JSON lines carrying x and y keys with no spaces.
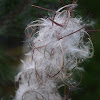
{"x":58,"y":45}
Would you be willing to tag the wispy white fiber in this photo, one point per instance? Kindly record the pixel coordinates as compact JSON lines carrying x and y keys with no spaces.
{"x":58,"y":44}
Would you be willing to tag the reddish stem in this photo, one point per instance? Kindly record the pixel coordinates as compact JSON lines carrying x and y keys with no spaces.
{"x":62,"y":2}
{"x":43,"y":8}
{"x":72,"y":8}
{"x":39,"y":12}
{"x":56,"y":22}
{"x":48,"y":18}
{"x":72,"y":33}
{"x":68,"y":94}
{"x":92,"y":30}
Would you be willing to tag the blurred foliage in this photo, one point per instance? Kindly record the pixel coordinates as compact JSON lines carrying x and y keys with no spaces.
{"x":14,"y":17}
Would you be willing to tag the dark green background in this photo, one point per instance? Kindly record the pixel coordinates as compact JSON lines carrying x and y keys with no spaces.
{"x":14,"y":17}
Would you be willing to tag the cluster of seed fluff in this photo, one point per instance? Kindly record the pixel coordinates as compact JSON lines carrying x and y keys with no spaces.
{"x":58,"y":44}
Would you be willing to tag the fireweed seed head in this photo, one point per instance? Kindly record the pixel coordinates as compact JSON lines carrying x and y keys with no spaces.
{"x":58,"y":44}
